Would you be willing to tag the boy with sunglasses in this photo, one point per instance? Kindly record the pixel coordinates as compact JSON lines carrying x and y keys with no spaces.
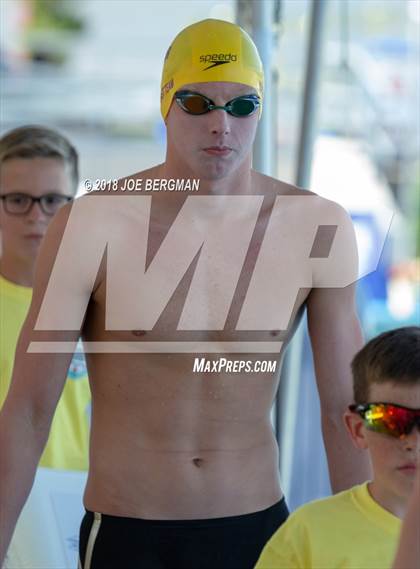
{"x":360,"y":527}
{"x":38,"y":175}
{"x":184,"y":464}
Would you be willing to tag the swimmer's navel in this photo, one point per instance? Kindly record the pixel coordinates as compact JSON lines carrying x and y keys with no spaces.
{"x":197,"y":462}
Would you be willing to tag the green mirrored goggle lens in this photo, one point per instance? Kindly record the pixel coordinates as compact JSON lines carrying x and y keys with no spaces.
{"x":243,"y":107}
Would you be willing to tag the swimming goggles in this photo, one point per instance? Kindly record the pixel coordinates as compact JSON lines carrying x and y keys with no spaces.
{"x":387,"y":418}
{"x":197,"y":104}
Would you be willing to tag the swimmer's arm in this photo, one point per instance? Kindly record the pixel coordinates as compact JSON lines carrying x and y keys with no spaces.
{"x":37,"y":383}
{"x":336,"y":336}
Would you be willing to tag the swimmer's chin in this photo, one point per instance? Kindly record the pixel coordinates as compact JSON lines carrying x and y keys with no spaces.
{"x":217,"y":172}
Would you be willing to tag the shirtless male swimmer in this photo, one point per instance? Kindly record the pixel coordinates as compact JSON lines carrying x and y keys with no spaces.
{"x":184,"y":466}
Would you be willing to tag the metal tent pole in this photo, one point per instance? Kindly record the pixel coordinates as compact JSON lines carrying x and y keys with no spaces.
{"x":288,"y":396}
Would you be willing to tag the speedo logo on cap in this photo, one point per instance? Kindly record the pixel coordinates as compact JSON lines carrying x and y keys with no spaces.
{"x":217,"y":59}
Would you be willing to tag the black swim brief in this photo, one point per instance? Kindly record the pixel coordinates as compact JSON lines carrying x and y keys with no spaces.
{"x":234,"y":542}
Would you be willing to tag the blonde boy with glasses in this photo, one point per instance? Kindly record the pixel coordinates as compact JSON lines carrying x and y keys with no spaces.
{"x":38,"y":175}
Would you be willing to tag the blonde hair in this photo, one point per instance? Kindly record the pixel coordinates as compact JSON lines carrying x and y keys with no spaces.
{"x":40,"y":142}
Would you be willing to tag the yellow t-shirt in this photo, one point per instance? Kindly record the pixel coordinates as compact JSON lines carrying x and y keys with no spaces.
{"x":346,"y":531}
{"x":67,"y":446}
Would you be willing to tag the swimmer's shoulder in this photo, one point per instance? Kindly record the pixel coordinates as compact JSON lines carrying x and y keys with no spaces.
{"x":95,"y":206}
{"x":273,"y":187}
{"x":270,"y":186}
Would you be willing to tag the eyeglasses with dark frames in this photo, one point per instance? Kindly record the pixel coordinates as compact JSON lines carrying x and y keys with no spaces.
{"x":21,"y":204}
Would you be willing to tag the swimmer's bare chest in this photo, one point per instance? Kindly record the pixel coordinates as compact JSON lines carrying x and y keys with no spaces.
{"x":159,"y":411}
{"x":161,"y":351}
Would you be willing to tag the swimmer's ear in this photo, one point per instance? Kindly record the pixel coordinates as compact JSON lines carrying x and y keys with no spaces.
{"x":356,"y":429}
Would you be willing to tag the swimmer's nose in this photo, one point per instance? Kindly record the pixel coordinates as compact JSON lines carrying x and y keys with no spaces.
{"x":219,"y":121}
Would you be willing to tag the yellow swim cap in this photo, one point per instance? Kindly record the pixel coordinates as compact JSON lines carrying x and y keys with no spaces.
{"x":210,"y":50}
